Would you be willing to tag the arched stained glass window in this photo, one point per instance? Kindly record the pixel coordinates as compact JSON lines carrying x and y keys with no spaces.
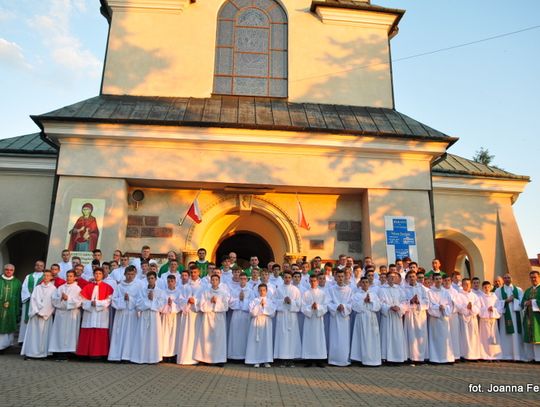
{"x":251,"y":49}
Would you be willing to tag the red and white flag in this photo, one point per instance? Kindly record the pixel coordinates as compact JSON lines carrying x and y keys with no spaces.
{"x":194,"y":212}
{"x":302,"y":222}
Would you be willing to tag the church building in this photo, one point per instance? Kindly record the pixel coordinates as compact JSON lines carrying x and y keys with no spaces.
{"x":253,"y":110}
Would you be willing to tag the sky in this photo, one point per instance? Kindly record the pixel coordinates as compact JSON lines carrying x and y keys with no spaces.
{"x":51,"y":55}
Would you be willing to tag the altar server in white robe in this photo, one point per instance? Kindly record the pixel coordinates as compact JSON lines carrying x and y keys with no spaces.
{"x":169,"y":320}
{"x":40,"y":312}
{"x":67,"y":318}
{"x":211,"y":342}
{"x":415,"y":319}
{"x":490,"y":312}
{"x":147,"y":342}
{"x":339,"y":307}
{"x":393,"y":346}
{"x":366,"y":340}
{"x":30,"y":282}
{"x":453,"y":318}
{"x":260,"y":336}
{"x":191,"y":317}
{"x":510,"y":324}
{"x":314,"y":307}
{"x":240,"y":319}
{"x":469,"y":308}
{"x":126,"y":316}
{"x":287,"y":343}
{"x":440,"y":310}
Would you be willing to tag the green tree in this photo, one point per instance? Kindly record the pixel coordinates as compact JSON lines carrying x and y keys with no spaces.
{"x":482,"y":156}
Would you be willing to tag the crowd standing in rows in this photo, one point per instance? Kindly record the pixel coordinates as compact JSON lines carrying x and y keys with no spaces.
{"x":134,"y":311}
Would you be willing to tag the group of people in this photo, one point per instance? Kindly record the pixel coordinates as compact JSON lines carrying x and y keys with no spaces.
{"x":335,"y":313}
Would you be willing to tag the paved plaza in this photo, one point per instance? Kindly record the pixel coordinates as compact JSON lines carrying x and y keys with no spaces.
{"x":70,"y":383}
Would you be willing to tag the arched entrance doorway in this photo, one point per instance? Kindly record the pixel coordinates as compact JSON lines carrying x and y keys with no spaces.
{"x":453,"y":257}
{"x":23,"y":249}
{"x":245,"y":244}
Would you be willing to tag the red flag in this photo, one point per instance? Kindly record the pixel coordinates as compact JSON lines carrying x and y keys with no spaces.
{"x":302,"y":222}
{"x":194,"y":212}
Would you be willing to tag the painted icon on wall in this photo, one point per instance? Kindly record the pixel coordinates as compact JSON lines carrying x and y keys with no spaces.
{"x":85,"y":224}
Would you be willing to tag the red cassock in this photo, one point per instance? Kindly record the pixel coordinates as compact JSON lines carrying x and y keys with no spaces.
{"x":94,"y":334}
{"x":58,"y":282}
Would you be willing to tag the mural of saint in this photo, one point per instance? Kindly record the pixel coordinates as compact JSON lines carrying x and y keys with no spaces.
{"x":85,"y":232}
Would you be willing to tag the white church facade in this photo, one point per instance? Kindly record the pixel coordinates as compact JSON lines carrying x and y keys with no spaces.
{"x":246,"y":105}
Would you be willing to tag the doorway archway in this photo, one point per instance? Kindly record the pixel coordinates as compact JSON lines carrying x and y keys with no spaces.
{"x":245,"y":244}
{"x":23,"y":249}
{"x":458,"y":253}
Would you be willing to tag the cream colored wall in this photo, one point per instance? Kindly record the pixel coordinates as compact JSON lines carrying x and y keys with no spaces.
{"x":25,"y":204}
{"x":240,"y":156}
{"x":484,"y":222}
{"x":381,"y":203}
{"x":162,"y":52}
{"x":171,"y":205}
{"x":113,"y":191}
{"x":25,"y":199}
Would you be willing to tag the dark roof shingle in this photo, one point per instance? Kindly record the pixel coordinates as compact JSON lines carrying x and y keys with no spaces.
{"x":246,"y":112}
{"x":27,"y":144}
{"x":456,"y":165}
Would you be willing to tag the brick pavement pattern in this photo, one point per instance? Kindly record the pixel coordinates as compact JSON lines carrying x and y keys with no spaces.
{"x":72,"y":383}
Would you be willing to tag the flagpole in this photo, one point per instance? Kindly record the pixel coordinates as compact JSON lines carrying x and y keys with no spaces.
{"x":185,"y":216}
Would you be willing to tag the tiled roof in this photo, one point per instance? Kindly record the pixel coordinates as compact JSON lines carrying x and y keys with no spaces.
{"x":27,"y":144}
{"x":354,"y":5}
{"x":246,"y":112}
{"x":455,"y":165}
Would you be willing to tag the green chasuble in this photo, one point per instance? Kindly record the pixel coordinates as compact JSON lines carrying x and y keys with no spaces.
{"x":431,"y":272}
{"x":10,"y":298}
{"x":164,"y":268}
{"x":248,"y":272}
{"x":531,"y":320}
{"x":203,"y":266}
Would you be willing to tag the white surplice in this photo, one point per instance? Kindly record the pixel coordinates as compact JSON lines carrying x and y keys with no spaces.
{"x":25,"y":298}
{"x":511,"y":344}
{"x":211,"y":342}
{"x":314,"y":344}
{"x":415,"y":323}
{"x":239,"y":324}
{"x":147,"y":342}
{"x":260,"y":343}
{"x":169,"y":323}
{"x":453,"y":320}
{"x":468,"y":323}
{"x":125,"y":320}
{"x":339,"y":340}
{"x":366,"y":340}
{"x":67,"y":318}
{"x":440,"y":335}
{"x":37,"y":336}
{"x":393,"y":346}
{"x":287,"y":343}
{"x":189,"y":323}
{"x":490,"y":342}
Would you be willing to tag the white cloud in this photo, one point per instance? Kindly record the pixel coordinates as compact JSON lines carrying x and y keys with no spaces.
{"x":11,"y":54}
{"x":6,"y":15}
{"x":65,"y":48}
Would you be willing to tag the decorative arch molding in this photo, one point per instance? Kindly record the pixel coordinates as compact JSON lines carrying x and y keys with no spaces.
{"x":9,"y":230}
{"x":263,"y":206}
{"x":475,"y":257}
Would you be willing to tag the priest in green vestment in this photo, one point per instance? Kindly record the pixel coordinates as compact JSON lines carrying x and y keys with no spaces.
{"x":10,"y":298}
{"x":531,"y":312}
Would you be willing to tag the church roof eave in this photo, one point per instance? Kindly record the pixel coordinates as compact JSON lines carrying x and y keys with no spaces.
{"x":455,"y":166}
{"x":246,"y":113}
